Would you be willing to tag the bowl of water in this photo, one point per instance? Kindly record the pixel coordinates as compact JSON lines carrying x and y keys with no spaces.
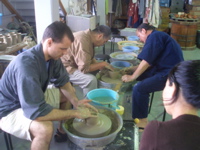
{"x":134,"y":49}
{"x":133,"y":38}
{"x":121,"y":64}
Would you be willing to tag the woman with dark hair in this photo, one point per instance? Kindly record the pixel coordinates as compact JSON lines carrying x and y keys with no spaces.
{"x":159,"y":55}
{"x":181,"y":99}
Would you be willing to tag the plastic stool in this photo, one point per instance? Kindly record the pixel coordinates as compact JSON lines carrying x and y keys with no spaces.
{"x":103,"y":57}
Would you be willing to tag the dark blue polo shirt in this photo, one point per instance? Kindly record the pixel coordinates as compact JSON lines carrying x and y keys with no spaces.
{"x":161,"y":51}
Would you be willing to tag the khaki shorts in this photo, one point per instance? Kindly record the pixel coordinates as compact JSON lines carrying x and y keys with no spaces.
{"x":18,"y":125}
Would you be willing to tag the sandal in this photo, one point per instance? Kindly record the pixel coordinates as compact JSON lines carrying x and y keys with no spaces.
{"x":141,"y":129}
{"x":60,"y":137}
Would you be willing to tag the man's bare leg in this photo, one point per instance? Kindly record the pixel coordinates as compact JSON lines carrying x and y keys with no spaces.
{"x":41,"y":134}
{"x":64,"y":105}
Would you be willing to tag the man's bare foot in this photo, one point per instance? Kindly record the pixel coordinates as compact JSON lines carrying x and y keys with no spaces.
{"x":142,"y":123}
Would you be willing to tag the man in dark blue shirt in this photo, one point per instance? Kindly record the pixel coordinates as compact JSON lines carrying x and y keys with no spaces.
{"x":159,"y":54}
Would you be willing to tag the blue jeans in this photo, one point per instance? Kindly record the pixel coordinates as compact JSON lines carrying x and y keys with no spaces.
{"x":141,"y":92}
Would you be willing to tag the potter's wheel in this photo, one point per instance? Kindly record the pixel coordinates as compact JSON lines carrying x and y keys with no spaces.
{"x":108,"y":79}
{"x":113,"y":77}
{"x":93,"y":127}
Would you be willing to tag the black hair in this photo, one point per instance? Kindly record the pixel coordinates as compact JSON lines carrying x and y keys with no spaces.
{"x":145,"y":26}
{"x":103,"y":29}
{"x":186,"y":76}
{"x":57,"y":30}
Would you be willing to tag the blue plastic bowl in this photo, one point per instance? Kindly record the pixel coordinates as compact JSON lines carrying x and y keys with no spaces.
{"x":1,"y":18}
{"x":120,"y":64}
{"x":133,"y":38}
{"x":103,"y":97}
{"x":134,"y":49}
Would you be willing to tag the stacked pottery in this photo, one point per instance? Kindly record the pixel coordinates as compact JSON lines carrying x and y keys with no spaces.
{"x":9,"y":39}
{"x":3,"y":44}
{"x":13,"y":38}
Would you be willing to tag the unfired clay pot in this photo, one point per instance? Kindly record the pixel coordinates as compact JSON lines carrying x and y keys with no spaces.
{"x":3,"y":46}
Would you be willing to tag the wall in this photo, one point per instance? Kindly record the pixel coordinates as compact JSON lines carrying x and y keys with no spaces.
{"x":42,"y":19}
{"x":101,"y":12}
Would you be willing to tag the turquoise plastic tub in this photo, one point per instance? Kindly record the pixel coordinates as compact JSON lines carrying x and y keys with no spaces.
{"x":121,"y":64}
{"x":104,"y":97}
{"x":134,"y":49}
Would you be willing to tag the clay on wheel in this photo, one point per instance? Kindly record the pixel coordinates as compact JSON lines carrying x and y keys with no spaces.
{"x":96,"y":127}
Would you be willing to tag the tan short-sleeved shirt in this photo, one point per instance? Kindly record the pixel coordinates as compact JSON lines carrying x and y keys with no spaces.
{"x":80,"y":53}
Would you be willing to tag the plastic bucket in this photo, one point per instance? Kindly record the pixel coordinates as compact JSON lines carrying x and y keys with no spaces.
{"x":133,"y":38}
{"x":121,"y":64}
{"x":103,"y":97}
{"x":134,"y":49}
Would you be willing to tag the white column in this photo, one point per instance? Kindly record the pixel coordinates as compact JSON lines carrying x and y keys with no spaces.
{"x":101,"y":9}
{"x":46,"y":12}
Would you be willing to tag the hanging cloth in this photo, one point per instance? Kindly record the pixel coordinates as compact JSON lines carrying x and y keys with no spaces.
{"x":106,"y":7}
{"x":114,"y":5}
{"x":147,"y":11}
{"x":154,"y":17}
{"x":142,"y":8}
{"x":133,"y":11}
{"x":118,"y":8}
{"x":110,"y":3}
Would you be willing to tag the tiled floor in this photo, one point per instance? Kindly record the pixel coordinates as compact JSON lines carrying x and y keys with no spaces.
{"x":156,"y":110}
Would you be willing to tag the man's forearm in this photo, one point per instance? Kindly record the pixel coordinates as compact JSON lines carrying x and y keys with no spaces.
{"x":69,"y":92}
{"x":97,"y":66}
{"x":58,"y":115}
{"x":140,"y":69}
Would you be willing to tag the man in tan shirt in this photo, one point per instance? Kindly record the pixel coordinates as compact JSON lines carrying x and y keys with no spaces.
{"x":80,"y":61}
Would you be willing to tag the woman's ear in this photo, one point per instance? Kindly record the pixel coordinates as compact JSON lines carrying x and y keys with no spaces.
{"x":168,"y":92}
